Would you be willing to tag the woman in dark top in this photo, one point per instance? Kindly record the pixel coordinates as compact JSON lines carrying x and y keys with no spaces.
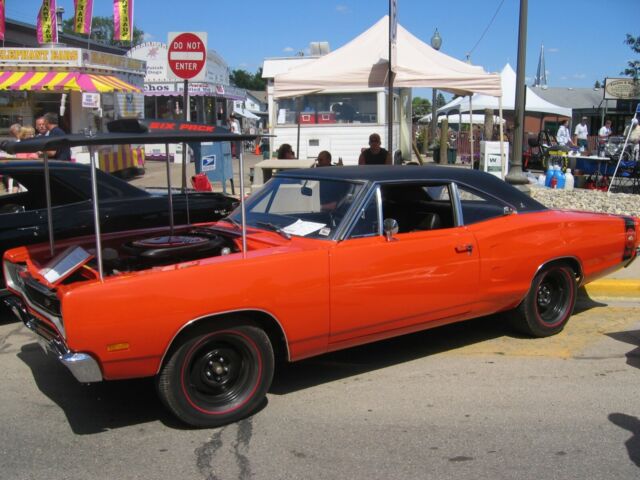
{"x":375,"y":154}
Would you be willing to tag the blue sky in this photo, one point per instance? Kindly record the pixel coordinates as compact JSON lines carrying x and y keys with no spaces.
{"x":583,"y":39}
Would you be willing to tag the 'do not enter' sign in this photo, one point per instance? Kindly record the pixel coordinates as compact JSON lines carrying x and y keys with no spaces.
{"x":187,"y":55}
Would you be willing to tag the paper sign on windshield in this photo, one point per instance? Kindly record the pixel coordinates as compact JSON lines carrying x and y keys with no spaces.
{"x":302,"y":228}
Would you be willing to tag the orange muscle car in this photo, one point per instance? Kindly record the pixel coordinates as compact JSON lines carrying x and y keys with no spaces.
{"x":317,"y":260}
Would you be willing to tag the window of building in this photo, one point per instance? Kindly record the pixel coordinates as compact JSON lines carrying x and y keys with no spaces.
{"x":329,"y":108}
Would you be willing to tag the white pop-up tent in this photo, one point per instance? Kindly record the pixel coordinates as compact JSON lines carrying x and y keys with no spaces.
{"x":364,"y":63}
{"x":477,"y":118}
{"x":479,"y":102}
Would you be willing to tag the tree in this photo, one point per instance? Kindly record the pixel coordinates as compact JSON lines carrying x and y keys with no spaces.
{"x":440,"y":101}
{"x":243,"y":79}
{"x":420,"y":107}
{"x":633,"y":68}
{"x":597,"y":84}
{"x":102,"y":31}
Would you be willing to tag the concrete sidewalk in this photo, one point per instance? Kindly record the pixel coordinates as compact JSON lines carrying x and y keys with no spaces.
{"x":624,"y":283}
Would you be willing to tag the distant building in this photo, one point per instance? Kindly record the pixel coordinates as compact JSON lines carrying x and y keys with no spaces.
{"x":590,"y":103}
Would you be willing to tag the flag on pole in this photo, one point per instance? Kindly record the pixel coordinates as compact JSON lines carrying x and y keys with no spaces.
{"x":2,"y":27}
{"x":83,"y":16}
{"x":47,"y":27}
{"x":123,"y":20}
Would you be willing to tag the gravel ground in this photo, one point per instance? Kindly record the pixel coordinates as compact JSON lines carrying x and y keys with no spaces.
{"x":589,"y":200}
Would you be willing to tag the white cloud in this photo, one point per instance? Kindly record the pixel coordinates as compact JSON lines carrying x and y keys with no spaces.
{"x":579,"y":75}
{"x":288,"y":49}
{"x":563,"y":77}
{"x":527,"y":79}
{"x":342,"y":9}
{"x":147,"y":37}
{"x":553,"y":50}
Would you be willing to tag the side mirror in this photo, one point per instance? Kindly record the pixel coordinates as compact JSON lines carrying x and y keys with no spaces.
{"x":390,"y":227}
{"x":508,"y":211}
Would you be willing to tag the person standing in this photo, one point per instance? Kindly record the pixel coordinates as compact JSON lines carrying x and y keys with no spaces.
{"x":234,"y":127}
{"x":375,"y":154}
{"x":53,"y":130}
{"x":564,"y":136}
{"x":582,"y":135}
{"x":603,"y":136}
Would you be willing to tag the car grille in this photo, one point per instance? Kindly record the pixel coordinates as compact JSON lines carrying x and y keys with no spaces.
{"x":42,"y":297}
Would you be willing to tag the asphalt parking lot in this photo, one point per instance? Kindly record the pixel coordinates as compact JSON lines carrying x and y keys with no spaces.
{"x":471,"y":400}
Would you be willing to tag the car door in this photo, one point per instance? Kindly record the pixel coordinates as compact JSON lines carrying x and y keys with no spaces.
{"x":382,"y":287}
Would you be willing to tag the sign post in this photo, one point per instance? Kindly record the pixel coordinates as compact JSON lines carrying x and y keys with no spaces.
{"x":187,"y":57}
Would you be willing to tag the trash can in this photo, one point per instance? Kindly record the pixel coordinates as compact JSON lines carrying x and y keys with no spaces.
{"x":264,"y":148}
{"x":217,"y":164}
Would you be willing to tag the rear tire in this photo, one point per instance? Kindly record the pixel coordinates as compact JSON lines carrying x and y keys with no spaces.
{"x":218,"y":377}
{"x":549,"y":302}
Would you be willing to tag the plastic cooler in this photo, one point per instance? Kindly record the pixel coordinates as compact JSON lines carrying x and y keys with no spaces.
{"x":326,"y":117}
{"x":307,"y":118}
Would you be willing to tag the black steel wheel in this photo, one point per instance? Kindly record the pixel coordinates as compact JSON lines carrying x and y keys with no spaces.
{"x":218,"y":377}
{"x":549,"y":302}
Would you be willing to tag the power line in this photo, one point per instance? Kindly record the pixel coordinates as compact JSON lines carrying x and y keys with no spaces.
{"x":486,"y":29}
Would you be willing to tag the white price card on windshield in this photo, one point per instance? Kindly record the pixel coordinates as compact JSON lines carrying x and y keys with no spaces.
{"x":302,"y":228}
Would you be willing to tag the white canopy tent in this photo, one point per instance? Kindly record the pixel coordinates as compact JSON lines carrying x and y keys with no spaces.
{"x":364,"y":63}
{"x":479,"y":102}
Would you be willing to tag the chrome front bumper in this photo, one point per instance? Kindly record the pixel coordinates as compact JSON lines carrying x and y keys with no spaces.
{"x":82,"y":366}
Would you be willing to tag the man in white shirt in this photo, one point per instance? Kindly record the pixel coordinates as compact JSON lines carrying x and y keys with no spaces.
{"x":582,"y":135}
{"x":603,"y":137}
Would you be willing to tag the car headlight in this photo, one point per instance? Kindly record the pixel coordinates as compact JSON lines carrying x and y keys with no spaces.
{"x":13,"y":275}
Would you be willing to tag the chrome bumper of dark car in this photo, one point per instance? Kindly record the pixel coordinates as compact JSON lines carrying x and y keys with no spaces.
{"x":82,"y":366}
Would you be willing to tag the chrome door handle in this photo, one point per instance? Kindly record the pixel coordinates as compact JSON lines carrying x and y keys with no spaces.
{"x":467,"y":247}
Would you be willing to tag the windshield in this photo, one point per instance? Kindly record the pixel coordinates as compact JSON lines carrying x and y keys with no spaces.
{"x":303,"y":207}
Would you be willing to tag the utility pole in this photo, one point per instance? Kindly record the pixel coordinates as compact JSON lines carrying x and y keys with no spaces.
{"x":515,"y":175}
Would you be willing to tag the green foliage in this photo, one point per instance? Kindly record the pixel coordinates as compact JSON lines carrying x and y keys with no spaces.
{"x":102,"y":31}
{"x":248,"y":81}
{"x":633,"y":66}
{"x":597,"y":84}
{"x":440,"y":101}
{"x":420,"y":107}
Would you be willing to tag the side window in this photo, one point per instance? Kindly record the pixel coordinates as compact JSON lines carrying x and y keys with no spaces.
{"x":367,"y":224}
{"x":418,"y":206}
{"x":477,"y":206}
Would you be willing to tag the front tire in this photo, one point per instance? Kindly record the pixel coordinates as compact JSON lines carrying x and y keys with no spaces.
{"x":549,"y":302}
{"x":218,"y":377}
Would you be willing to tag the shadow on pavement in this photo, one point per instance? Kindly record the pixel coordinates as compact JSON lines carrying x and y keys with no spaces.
{"x":632,"y":337}
{"x":290,"y":377}
{"x":632,"y":424}
{"x":584,"y":302}
{"x":96,"y":407}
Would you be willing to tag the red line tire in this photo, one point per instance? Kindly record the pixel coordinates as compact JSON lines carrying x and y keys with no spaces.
{"x":549,"y":302}
{"x":218,"y":377}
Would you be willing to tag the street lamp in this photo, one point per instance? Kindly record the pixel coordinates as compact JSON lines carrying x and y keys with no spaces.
{"x":436,"y":43}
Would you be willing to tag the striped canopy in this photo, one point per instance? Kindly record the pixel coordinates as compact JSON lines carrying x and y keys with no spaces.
{"x":63,"y":81}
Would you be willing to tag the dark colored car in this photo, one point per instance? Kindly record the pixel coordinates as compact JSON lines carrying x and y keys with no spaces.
{"x":23,"y":213}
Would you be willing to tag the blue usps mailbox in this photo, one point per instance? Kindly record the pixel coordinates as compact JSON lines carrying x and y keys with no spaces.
{"x":216,"y":163}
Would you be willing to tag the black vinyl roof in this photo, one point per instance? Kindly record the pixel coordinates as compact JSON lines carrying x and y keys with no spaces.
{"x":153,"y":131}
{"x":476,"y":179}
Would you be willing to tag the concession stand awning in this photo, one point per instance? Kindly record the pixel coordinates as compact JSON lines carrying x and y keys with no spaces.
{"x":63,"y":81}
